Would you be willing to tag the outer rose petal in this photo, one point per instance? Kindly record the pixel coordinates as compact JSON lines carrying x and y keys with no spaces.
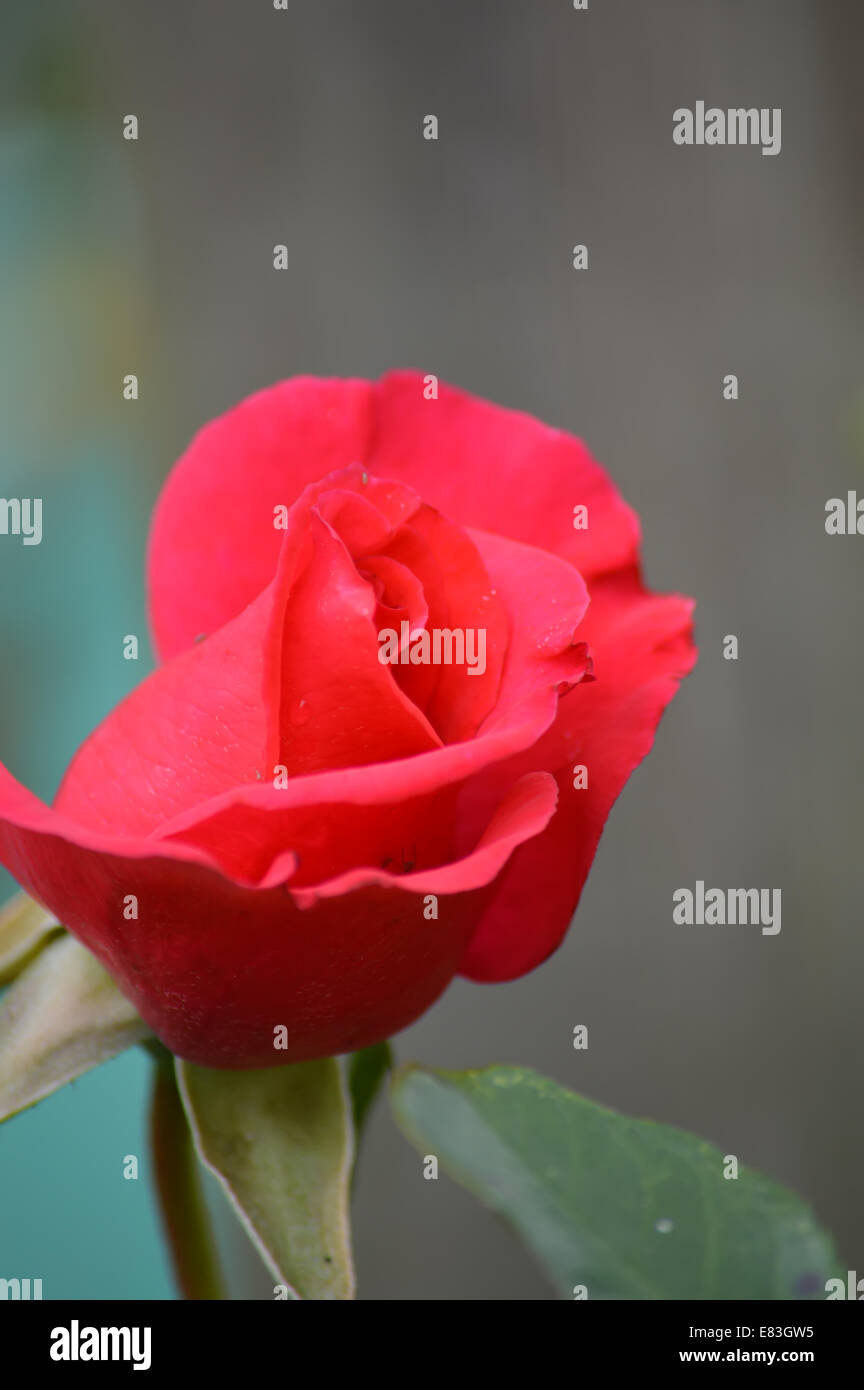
{"x":212,"y":547}
{"x":502,"y":471}
{"x":642,"y":648}
{"x":329,"y":837}
{"x":192,"y":729}
{"x":215,"y":966}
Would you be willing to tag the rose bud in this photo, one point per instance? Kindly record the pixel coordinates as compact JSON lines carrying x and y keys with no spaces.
{"x":280,"y":832}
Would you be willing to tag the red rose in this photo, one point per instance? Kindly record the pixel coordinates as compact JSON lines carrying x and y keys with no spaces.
{"x":284,"y":810}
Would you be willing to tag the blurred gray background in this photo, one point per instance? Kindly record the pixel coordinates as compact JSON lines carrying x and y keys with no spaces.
{"x":304,"y":127}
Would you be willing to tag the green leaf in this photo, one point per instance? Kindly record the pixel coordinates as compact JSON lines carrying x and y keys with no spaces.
{"x":280,"y":1142}
{"x":63,"y":1015}
{"x":626,"y":1208}
{"x":25,"y":927}
{"x":366,"y":1070}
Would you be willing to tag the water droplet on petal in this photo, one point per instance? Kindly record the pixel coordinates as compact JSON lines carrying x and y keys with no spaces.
{"x":300,"y":713}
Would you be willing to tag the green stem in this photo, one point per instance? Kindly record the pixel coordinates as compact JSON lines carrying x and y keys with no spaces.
{"x":178,"y":1185}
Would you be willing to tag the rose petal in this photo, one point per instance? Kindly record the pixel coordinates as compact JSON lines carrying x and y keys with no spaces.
{"x":542,"y":660}
{"x":501,"y":471}
{"x":212,"y":546}
{"x":198,"y":726}
{"x":339,"y":972}
{"x":642,"y":648}
{"x":293,"y":682}
{"x":340,"y":705}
